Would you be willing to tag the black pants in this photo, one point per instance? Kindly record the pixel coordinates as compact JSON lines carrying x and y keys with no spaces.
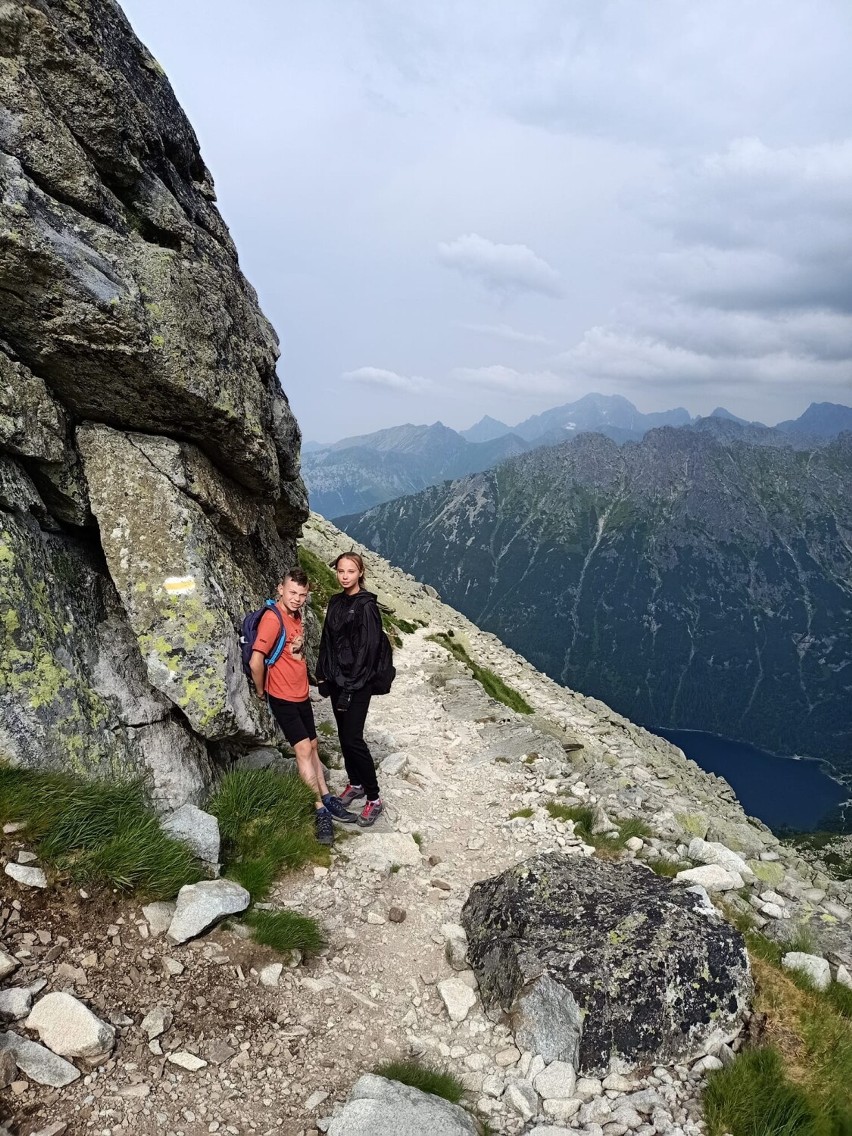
{"x":360,"y":767}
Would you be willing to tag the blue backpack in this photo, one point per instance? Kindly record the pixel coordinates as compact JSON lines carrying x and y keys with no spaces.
{"x":248,"y":634}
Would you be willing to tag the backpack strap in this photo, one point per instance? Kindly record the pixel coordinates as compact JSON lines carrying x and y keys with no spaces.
{"x":275,"y":654}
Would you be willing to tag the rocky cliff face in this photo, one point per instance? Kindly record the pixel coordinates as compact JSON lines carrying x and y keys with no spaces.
{"x":688,"y":580}
{"x":149,"y":462}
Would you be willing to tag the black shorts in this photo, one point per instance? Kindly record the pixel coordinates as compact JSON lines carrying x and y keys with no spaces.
{"x":296,"y":719}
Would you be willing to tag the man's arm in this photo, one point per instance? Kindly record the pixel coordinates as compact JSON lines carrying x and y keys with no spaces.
{"x":257,"y":666}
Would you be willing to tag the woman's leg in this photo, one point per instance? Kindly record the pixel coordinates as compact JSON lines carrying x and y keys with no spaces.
{"x":360,"y":767}
{"x":352,"y":771}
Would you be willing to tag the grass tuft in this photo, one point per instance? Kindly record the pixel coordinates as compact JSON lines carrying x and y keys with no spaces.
{"x":526,"y":813}
{"x":286,"y":931}
{"x":840,"y":998}
{"x":491,"y":683}
{"x":633,"y":827}
{"x":754,"y":1097}
{"x":799,"y":1083}
{"x":417,"y":837}
{"x":663,"y":866}
{"x":429,"y":1079}
{"x":581,"y":815}
{"x":98,"y":832}
{"x":266,"y":820}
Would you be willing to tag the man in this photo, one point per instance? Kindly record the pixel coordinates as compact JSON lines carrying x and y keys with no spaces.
{"x":284,"y":685}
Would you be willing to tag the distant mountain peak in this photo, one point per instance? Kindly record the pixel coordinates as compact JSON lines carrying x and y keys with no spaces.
{"x":485,"y":430}
{"x":820,"y":420}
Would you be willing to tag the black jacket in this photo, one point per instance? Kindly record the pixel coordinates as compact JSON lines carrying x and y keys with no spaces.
{"x":351,"y":641}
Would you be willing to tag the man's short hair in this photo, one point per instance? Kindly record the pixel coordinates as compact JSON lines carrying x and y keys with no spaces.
{"x":297,"y":575}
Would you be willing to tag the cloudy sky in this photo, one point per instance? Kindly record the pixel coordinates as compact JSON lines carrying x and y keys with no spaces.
{"x":463,"y":207}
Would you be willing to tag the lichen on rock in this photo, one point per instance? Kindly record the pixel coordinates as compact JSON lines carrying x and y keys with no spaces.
{"x":605,"y":965}
{"x":144,"y":437}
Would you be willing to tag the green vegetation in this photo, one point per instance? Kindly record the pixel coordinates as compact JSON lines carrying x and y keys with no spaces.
{"x":417,"y":837}
{"x":754,"y":1097}
{"x":583,"y":818}
{"x":634,"y":827}
{"x":427,"y":1078}
{"x":326,"y":729}
{"x":799,"y":1081}
{"x":527,"y":812}
{"x":491,"y":683}
{"x":286,"y":931}
{"x":266,"y":821}
{"x":98,"y":832}
{"x":323,"y":580}
{"x":665,"y":867}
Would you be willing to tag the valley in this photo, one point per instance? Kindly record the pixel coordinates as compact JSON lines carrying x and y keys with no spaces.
{"x":692,"y":580}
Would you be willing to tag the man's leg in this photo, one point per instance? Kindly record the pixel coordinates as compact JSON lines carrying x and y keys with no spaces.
{"x":310,"y":768}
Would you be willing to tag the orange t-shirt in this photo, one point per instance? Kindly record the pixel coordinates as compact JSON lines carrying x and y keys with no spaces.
{"x":287,"y":678}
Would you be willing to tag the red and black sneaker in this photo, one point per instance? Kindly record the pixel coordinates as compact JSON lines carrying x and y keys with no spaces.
{"x":371,"y":813}
{"x":351,"y":793}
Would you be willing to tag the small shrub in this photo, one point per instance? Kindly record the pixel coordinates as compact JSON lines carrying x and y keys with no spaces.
{"x":754,"y":1097}
{"x":286,"y":931}
{"x":429,"y":1079}
{"x":97,"y":831}
{"x":395,"y":868}
{"x":326,"y":729}
{"x":526,"y":813}
{"x":417,"y":837}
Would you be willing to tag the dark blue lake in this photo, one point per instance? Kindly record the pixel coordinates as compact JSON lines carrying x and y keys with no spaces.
{"x":782,"y":791}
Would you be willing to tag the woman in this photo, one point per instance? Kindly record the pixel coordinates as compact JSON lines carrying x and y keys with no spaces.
{"x":348,"y":660}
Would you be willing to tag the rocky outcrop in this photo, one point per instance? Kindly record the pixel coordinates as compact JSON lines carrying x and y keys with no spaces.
{"x":605,"y":966}
{"x":149,"y":462}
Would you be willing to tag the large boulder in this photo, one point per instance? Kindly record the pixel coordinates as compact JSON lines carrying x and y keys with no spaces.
{"x":144,"y":437}
{"x":377,"y":1105}
{"x":605,"y":966}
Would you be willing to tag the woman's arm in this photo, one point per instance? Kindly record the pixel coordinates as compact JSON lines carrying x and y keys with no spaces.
{"x":369,"y":640}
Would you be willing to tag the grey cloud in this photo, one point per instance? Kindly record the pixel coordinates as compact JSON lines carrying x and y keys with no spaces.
{"x":502,"y":268}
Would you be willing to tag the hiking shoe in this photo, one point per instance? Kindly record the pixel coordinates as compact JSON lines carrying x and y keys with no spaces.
{"x":325,"y":829}
{"x":338,"y":811}
{"x":371,"y":813}
{"x":351,"y":793}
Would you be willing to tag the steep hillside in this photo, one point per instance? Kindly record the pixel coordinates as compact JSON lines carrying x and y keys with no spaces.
{"x":687,"y":580}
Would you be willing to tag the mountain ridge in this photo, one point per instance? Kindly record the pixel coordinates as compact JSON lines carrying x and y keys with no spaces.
{"x":690,"y":581}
